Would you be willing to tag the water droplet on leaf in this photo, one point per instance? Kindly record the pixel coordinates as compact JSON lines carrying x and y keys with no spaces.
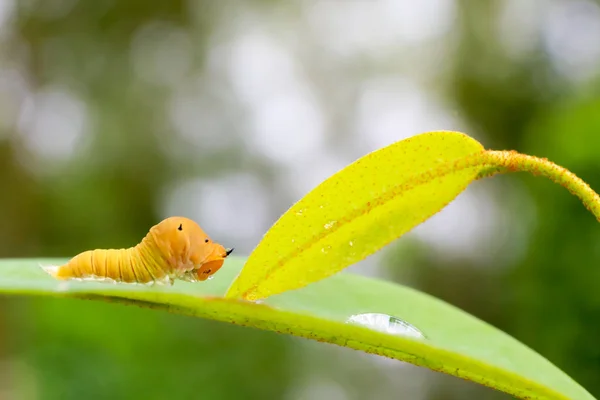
{"x":325,"y":249}
{"x":386,"y":324}
{"x":329,"y":225}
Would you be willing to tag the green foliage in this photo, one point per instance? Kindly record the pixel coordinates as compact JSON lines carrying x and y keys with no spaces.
{"x":375,"y":200}
{"x":455,"y":343}
{"x":356,"y":212}
{"x":360,"y":199}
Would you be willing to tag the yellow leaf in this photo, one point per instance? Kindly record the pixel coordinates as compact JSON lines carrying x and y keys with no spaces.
{"x":356,"y":212}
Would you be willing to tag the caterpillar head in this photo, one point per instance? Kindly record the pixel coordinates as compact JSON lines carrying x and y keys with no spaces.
{"x":184,"y":244}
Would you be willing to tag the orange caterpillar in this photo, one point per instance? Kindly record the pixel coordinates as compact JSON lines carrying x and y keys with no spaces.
{"x":176,"y":248}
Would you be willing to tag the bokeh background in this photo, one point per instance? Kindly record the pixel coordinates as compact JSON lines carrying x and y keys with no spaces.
{"x":116,"y":114}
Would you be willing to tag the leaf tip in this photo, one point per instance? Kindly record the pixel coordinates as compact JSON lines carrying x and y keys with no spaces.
{"x":233,"y":292}
{"x":236,"y":293}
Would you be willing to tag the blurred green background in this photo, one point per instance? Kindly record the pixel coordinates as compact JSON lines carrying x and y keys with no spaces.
{"x":116,"y":114}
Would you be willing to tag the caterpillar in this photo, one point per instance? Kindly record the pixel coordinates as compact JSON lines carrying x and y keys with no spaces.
{"x":175,"y":248}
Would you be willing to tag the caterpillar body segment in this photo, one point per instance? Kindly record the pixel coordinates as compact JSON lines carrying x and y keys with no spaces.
{"x":176,"y":248}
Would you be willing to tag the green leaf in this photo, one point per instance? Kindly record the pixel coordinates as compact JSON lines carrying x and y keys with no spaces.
{"x":356,"y":212}
{"x":456,"y":343}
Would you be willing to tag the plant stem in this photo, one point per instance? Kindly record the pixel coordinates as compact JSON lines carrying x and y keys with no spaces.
{"x":512,"y":161}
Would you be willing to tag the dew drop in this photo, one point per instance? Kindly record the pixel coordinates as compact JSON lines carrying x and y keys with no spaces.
{"x":386,"y":324}
{"x":351,"y":243}
{"x":329,"y":225}
{"x":325,"y":250}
